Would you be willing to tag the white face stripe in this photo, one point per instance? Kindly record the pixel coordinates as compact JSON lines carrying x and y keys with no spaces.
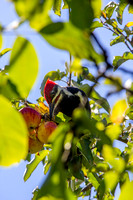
{"x":59,"y":93}
{"x":83,"y":100}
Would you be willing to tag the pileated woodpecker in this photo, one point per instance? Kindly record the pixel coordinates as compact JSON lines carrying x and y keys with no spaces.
{"x":64,"y":99}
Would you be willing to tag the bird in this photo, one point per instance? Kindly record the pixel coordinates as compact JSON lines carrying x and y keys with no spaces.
{"x":64,"y":99}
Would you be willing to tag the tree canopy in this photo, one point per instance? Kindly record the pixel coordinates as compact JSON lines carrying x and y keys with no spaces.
{"x":80,"y":159}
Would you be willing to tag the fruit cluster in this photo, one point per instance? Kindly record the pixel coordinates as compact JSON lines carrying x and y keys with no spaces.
{"x":39,"y":130}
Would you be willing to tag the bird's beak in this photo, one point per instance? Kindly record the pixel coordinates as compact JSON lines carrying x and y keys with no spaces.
{"x":51,"y":108}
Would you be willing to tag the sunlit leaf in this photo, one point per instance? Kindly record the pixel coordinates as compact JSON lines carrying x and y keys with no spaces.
{"x":57,"y":7}
{"x":94,"y":180}
{"x":96,"y":6}
{"x":117,"y":40}
{"x":111,"y":179}
{"x":55,"y":185}
{"x":76,"y":67}
{"x":7,"y":88}
{"x":118,"y":111}
{"x":118,"y":60}
{"x":67,"y":37}
{"x":30,"y":167}
{"x":96,"y":97}
{"x":1,"y":41}
{"x":85,"y":75}
{"x":65,"y":5}
{"x":95,"y":24}
{"x":41,"y":18}
{"x":109,"y":9}
{"x":113,"y":159}
{"x":60,"y":117}
{"x":129,"y":112}
{"x":120,"y":9}
{"x":13,"y":135}
{"x":130,"y":9}
{"x":83,"y":121}
{"x":113,"y":131}
{"x":126,"y":191}
{"x":4,"y":51}
{"x":129,"y":24}
{"x":23,"y":66}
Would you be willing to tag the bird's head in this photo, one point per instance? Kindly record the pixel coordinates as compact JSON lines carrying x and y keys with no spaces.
{"x":50,"y":91}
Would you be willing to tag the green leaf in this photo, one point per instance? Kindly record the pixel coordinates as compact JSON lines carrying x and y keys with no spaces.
{"x":118,"y":60}
{"x":57,"y":7}
{"x":23,"y":66}
{"x":60,"y":117}
{"x":96,"y":97}
{"x":57,"y":139}
{"x":54,"y":76}
{"x":13,"y":134}
{"x":95,"y":24}
{"x":40,"y":17}
{"x":1,"y":41}
{"x":84,"y":122}
{"x":67,"y":37}
{"x":7,"y":88}
{"x":110,"y":156}
{"x":81,"y":13}
{"x":96,"y":6}
{"x":85,"y":75}
{"x":65,"y":5}
{"x":75,"y":165}
{"x":109,"y":9}
{"x":84,"y":148}
{"x":55,"y":185}
{"x":94,"y":180}
{"x":129,"y":112}
{"x":30,"y":167}
{"x":111,"y":179}
{"x":4,"y":51}
{"x":120,"y":9}
{"x":130,"y":9}
{"x":113,"y":131}
{"x":126,"y":191}
{"x":117,"y":40}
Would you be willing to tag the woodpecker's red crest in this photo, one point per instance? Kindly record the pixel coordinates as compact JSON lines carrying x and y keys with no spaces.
{"x":47,"y":89}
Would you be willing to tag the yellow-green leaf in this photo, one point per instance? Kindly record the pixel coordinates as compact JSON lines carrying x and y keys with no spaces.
{"x":68,"y":37}
{"x":126,"y":191}
{"x":111,"y":179}
{"x":13,"y":134}
{"x":30,"y":167}
{"x":113,"y":131}
{"x":1,"y":40}
{"x":23,"y":66}
{"x":57,"y":7}
{"x":110,"y":156}
{"x":4,"y":51}
{"x":129,"y":24}
{"x":118,"y":111}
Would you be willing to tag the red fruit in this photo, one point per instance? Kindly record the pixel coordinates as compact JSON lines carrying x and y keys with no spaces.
{"x":31,"y":116}
{"x":32,"y":119}
{"x":45,"y":130}
{"x":35,"y":145}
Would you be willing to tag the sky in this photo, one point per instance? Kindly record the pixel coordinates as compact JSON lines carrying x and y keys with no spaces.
{"x":12,"y":185}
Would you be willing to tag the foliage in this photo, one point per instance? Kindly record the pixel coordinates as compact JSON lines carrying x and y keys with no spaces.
{"x":81,"y":155}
